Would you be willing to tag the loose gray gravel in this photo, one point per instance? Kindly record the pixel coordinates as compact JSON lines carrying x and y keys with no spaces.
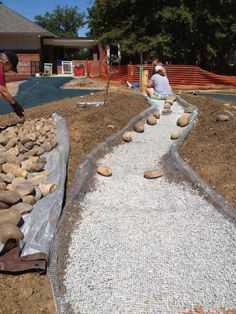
{"x":149,"y":246}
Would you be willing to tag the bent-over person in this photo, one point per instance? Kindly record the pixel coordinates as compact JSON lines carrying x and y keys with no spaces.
{"x":8,"y":62}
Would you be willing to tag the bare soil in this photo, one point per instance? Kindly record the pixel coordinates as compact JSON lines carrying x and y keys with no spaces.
{"x":210,"y":149}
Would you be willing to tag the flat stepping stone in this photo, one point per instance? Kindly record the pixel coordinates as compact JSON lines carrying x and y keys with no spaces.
{"x":104,"y":171}
{"x":127,"y":137}
{"x":222,"y":118}
{"x":169,"y":101}
{"x":139,"y":127}
{"x":153,"y":174}
{"x":157,"y":114}
{"x":167,"y":105}
{"x":175,"y":135}
{"x":166,"y":111}
{"x":183,"y":120}
{"x":151,"y":120}
{"x":172,"y":98}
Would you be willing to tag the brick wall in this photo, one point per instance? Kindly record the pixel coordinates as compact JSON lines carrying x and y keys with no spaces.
{"x":24,"y":61}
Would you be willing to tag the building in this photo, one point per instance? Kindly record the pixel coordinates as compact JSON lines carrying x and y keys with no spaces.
{"x":35,"y":45}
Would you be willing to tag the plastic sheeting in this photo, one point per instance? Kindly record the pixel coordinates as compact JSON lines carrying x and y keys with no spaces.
{"x":40,"y":225}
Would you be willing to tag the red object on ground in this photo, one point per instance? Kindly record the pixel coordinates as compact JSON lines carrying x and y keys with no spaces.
{"x":79,"y":70}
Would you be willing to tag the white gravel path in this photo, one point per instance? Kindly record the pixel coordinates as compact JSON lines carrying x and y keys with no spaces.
{"x":149,"y":246}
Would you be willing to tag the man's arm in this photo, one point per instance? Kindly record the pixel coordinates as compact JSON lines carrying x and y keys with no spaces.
{"x":5,"y":94}
{"x":149,"y":84}
{"x":15,"y":106}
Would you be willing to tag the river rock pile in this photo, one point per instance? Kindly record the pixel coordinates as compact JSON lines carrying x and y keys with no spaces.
{"x":23,"y":179}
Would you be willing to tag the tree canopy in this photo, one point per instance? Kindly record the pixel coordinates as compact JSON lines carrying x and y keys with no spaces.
{"x":63,"y":21}
{"x":178,"y":30}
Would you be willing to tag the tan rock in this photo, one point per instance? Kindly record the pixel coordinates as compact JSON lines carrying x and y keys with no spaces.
{"x":29,"y":145}
{"x":47,"y":147}
{"x":173,"y":98}
{"x":29,"y":199}
{"x":41,"y":139}
{"x":9,"y":216}
{"x":11,"y":143}
{"x":3,"y":206}
{"x":166,"y":111}
{"x":10,"y":187}
{"x":36,"y":180}
{"x":17,"y":180}
{"x":13,"y":151}
{"x":169,"y":101}
{"x":104,"y":171}
{"x":151,"y":120}
{"x":25,"y":188}
{"x":15,"y":170}
{"x":152,"y":174}
{"x":222,"y":118}
{"x":9,"y":197}
{"x":157,"y":114}
{"x":183,"y":120}
{"x":40,"y":151}
{"x":3,"y":140}
{"x":2,"y":185}
{"x":127,"y":137}
{"x":47,"y":188}
{"x":36,"y":166}
{"x":167,"y":105}
{"x":22,"y":208}
{"x":6,"y":177}
{"x":25,"y":140}
{"x":139,"y":127}
{"x":35,"y":151}
{"x":175,"y":135}
{"x":2,"y":160}
{"x":227,"y":105}
{"x":9,"y":157}
{"x":10,"y":231}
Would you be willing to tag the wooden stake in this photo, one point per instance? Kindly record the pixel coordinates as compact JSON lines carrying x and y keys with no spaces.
{"x":144,"y":81}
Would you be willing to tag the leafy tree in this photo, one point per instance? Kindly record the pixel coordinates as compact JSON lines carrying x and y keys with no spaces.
{"x":63,"y":21}
{"x":179,"y":30}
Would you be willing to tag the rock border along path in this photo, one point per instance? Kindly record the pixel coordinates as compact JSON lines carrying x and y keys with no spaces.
{"x":149,"y":246}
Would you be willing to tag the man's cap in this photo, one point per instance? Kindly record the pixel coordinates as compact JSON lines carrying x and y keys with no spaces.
{"x":13,"y":59}
{"x":158,"y":68}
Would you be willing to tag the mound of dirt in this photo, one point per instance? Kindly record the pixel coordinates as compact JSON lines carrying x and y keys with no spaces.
{"x":209,"y":149}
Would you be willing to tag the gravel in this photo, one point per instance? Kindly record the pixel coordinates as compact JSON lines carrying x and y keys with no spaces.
{"x":149,"y":246}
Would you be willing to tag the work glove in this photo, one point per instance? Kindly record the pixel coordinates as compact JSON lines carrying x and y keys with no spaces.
{"x":18,"y":109}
